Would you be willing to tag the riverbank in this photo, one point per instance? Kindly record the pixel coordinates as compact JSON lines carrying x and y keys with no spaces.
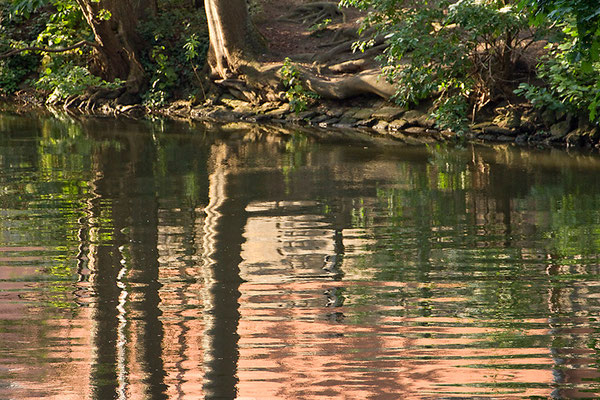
{"x":315,"y":52}
{"x":506,"y":123}
{"x":358,"y":119}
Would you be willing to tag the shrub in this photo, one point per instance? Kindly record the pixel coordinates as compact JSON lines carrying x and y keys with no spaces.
{"x":14,"y":70}
{"x":178,"y":40}
{"x":570,"y":86}
{"x":580,"y":20}
{"x":571,"y":71}
{"x":461,"y":52}
{"x":69,"y":80}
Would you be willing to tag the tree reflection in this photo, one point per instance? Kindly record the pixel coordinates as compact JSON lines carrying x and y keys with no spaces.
{"x":126,"y":269}
{"x":224,"y":227}
{"x":226,"y":266}
{"x":123,"y":262}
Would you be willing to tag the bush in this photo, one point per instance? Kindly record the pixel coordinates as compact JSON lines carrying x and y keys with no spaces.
{"x":70,"y":80}
{"x":43,"y":23}
{"x":15,"y":70}
{"x":571,"y":71}
{"x":580,"y":20}
{"x":570,"y":86}
{"x":13,"y":33}
{"x":461,"y":52}
{"x":298,"y":96}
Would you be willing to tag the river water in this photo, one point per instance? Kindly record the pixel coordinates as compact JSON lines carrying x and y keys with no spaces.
{"x":153,"y":260}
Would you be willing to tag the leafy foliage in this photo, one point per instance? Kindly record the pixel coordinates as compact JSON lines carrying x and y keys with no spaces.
{"x":26,"y":7}
{"x":460,"y":52}
{"x":14,"y":70}
{"x":178,"y":40}
{"x":580,"y":20}
{"x":451,"y":113}
{"x":570,"y":86}
{"x":64,"y":23}
{"x":164,"y":77}
{"x":65,"y":26}
{"x":298,"y":96}
{"x":68,"y":80}
{"x":23,"y":24}
{"x":319,"y":26}
{"x":571,"y":71}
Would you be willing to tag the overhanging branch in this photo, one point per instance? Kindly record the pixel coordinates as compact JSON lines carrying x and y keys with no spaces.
{"x":49,"y":50}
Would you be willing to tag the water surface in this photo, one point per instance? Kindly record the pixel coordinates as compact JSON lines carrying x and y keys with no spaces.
{"x":145,"y":260}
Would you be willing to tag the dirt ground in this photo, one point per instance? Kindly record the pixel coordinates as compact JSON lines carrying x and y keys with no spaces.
{"x":289,"y":38}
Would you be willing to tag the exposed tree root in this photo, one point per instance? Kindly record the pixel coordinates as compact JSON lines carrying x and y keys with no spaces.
{"x":265,"y":84}
{"x":340,"y":88}
{"x":347,"y":48}
{"x":344,"y":34}
{"x":97,"y":98}
{"x":337,"y":73}
{"x":238,"y":89}
{"x":343,"y":59}
{"x":351,"y":66}
{"x":314,"y":13}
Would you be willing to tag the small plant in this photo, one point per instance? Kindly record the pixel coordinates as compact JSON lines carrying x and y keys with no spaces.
{"x":194,"y":48}
{"x":104,"y":15}
{"x":298,"y":96}
{"x":163,"y":78}
{"x":451,"y":113}
{"x":320,"y":25}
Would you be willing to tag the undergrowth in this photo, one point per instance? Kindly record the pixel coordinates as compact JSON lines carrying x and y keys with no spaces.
{"x":571,"y":80}
{"x":14,"y":32}
{"x":178,"y":42}
{"x":67,"y":80}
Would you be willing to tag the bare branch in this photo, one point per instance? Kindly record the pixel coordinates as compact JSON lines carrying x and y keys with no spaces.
{"x":47,"y":50}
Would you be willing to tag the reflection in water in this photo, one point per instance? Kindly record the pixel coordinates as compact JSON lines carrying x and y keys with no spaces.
{"x":167,"y":262}
{"x":223,"y":238}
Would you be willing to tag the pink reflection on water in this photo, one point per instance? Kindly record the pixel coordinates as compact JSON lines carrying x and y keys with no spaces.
{"x":291,"y":352}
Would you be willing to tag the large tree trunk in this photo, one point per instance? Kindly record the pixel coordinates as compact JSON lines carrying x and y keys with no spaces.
{"x":117,"y":37}
{"x":234,"y":44}
{"x":232,"y":36}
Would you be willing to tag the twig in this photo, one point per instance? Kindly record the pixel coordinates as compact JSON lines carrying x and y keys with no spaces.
{"x":47,"y":50}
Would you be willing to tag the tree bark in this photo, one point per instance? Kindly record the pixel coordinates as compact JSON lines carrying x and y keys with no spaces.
{"x":232,"y":36}
{"x":119,"y":44}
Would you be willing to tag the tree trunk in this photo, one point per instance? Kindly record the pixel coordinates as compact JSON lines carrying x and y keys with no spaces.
{"x":234,"y":44}
{"x":118,"y":40}
{"x":232,"y":36}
